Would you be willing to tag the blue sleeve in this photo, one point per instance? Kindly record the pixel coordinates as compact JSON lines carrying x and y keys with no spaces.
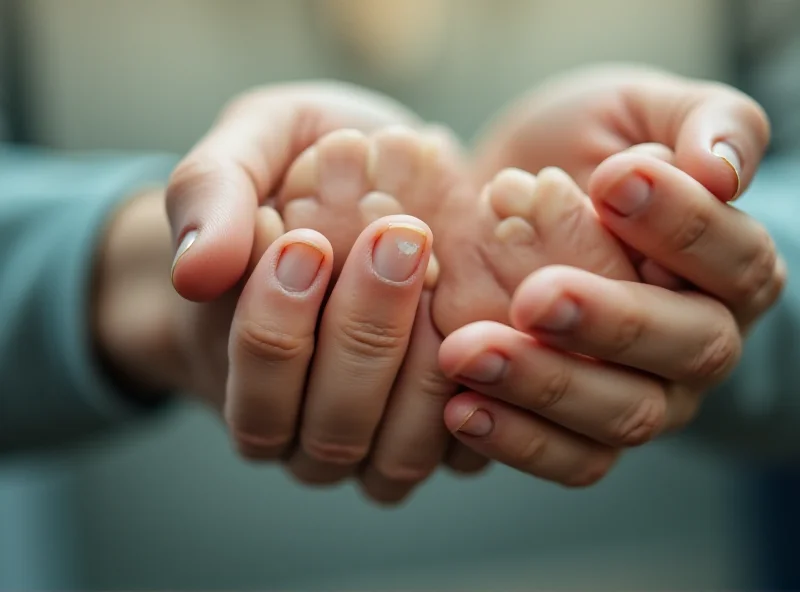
{"x":757,"y":411}
{"x":52,"y":211}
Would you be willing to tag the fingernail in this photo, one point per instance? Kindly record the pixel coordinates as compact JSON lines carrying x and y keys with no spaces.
{"x":186,"y":242}
{"x":398,"y":251}
{"x":629,"y":195}
{"x":298,"y":266}
{"x":476,"y":422}
{"x":729,"y":154}
{"x":486,"y":368}
{"x":562,"y":316}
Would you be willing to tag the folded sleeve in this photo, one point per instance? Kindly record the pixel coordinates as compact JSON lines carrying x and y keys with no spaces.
{"x":53,"y":210}
{"x":757,"y":411}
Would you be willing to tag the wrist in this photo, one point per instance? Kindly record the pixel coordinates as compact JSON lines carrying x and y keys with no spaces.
{"x":134,"y":306}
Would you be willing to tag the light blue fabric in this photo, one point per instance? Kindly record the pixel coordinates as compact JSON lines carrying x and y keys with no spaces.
{"x":52,"y":210}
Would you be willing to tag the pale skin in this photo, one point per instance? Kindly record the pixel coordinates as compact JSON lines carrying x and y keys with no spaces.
{"x":565,"y":424}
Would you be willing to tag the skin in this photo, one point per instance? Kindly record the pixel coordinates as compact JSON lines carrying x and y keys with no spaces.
{"x":661,"y":350}
{"x":547,"y":429}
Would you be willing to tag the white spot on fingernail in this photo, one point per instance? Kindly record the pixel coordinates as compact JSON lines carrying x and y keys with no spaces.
{"x":407,"y":247}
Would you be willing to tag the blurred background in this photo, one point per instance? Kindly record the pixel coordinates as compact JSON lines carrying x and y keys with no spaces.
{"x":166,"y":504}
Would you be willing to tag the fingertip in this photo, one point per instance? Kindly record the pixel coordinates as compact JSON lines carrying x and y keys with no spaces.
{"x":466,"y":342}
{"x":206,"y":266}
{"x":717,"y":167}
{"x":211,"y":206}
{"x":302,"y":237}
{"x":722,"y":142}
{"x":538,"y":293}
{"x":464,"y":409}
{"x":296,"y":267}
{"x":377,"y":227}
{"x":399,"y":249}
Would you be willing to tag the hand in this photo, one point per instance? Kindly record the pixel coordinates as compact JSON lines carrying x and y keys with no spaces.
{"x":576,"y":121}
{"x":349,"y":387}
{"x":592,"y":366}
{"x":381,"y":422}
{"x":215,"y":192}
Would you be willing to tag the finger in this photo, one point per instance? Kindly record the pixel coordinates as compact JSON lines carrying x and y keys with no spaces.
{"x":719,"y":134}
{"x":684,"y":337}
{"x":526,"y":442}
{"x":725,"y":130}
{"x":268,"y":227}
{"x":659,"y":151}
{"x":412,"y":439}
{"x":605,"y":403}
{"x":463,"y":460}
{"x":272,"y":340}
{"x":670,"y":218}
{"x":214,"y":192}
{"x":363,"y":338}
{"x":649,"y":271}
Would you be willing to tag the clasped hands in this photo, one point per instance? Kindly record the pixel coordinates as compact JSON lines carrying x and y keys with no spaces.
{"x":362,"y":299}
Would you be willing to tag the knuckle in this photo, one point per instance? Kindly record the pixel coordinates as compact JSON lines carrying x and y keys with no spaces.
{"x":757,"y":270}
{"x":595,"y":468}
{"x":532,"y":452}
{"x":642,"y":423}
{"x":769,"y":294}
{"x":779,"y":279}
{"x":553,"y":388}
{"x":188,"y":176}
{"x":267,"y":343}
{"x":716,"y":357}
{"x":260,"y":448}
{"x":433,"y":384}
{"x":334,"y":453}
{"x":402,"y":475}
{"x":689,"y":233}
{"x":363,"y":337}
{"x":627,"y":334}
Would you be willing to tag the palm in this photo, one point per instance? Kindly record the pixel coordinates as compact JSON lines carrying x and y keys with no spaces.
{"x":577,"y":121}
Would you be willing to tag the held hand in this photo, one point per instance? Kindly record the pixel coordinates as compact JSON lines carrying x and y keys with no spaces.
{"x":592,"y":366}
{"x":576,"y":121}
{"x":215,"y":192}
{"x":347,"y":388}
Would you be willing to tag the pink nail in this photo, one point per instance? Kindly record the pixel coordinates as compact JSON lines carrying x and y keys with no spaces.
{"x":398,"y":251}
{"x":298,"y":266}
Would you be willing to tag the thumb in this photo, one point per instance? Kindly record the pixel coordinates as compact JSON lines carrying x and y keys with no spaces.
{"x":214,"y":193}
{"x":721,"y":142}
